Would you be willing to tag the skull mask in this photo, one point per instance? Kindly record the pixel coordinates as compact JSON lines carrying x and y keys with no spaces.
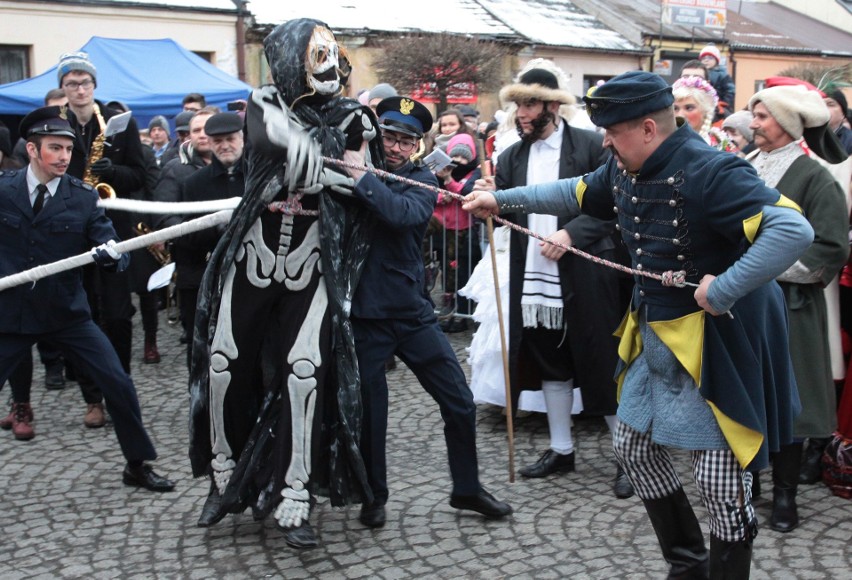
{"x":322,"y":62}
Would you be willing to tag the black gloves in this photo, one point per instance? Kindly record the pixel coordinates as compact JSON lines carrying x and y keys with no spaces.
{"x":103,"y":168}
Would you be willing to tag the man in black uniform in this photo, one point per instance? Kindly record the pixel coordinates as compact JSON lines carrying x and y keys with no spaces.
{"x":222,"y":179}
{"x":392,"y":314}
{"x":47,"y":216}
{"x":116,"y":160}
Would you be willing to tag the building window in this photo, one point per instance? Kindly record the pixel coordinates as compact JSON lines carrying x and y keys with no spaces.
{"x":14,"y":63}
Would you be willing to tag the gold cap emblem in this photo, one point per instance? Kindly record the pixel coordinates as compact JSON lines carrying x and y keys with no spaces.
{"x":405,"y":106}
{"x":63,"y":112}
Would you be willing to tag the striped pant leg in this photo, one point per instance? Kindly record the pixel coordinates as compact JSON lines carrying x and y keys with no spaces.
{"x":647,"y":464}
{"x":725,"y":490}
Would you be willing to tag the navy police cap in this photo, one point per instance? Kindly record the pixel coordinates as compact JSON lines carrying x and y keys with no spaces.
{"x":47,"y":121}
{"x":627,"y":96}
{"x":404,"y":115}
{"x":223,"y":124}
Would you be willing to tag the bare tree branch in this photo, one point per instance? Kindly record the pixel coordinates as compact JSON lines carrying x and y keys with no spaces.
{"x":440,"y":64}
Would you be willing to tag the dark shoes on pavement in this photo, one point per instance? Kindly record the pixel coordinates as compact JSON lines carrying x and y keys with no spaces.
{"x":301,"y":537}
{"x":622,"y":488}
{"x":152,"y":355}
{"x":372,"y":515}
{"x":54,"y":378}
{"x":483,"y":503}
{"x":211,"y":512}
{"x":95,"y":416}
{"x":549,"y":462}
{"x":143,"y":476}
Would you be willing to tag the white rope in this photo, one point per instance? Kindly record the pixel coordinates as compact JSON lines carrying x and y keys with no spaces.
{"x":168,"y":207}
{"x":176,"y":231}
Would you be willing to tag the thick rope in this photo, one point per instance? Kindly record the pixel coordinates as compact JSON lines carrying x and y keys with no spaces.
{"x":670,"y":278}
{"x":39,"y":272}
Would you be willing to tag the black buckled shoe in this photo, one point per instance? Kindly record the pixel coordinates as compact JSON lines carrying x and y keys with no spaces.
{"x":144,"y":476}
{"x":622,"y":488}
{"x":549,"y":462}
{"x":372,"y":515}
{"x":211,"y":512}
{"x":301,"y":536}
{"x":483,"y":503}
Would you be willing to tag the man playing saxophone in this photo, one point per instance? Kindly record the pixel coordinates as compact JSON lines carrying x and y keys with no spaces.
{"x":118,"y":161}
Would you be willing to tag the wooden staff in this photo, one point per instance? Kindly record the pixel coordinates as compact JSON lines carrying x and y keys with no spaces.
{"x":510,"y":427}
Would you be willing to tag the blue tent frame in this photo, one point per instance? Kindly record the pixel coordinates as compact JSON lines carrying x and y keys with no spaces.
{"x":150,"y":76}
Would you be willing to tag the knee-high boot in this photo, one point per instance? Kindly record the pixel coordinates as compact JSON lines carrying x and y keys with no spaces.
{"x":785,"y":479}
{"x":729,"y":560}
{"x":680,"y":535}
{"x":811,"y":471}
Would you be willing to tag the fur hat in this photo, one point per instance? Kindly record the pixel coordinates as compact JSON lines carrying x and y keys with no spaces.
{"x":75,"y":61}
{"x":740,"y":121}
{"x":711,"y":50}
{"x":462,"y":145}
{"x":541,"y":81}
{"x":795,"y":108}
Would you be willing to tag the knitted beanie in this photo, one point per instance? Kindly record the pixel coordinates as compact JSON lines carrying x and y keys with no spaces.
{"x":711,"y":50}
{"x":795,"y":108}
{"x":382,"y":91}
{"x":75,"y":61}
{"x":462,"y":145}
{"x":161,"y":122}
{"x":838,"y":96}
{"x":740,"y":121}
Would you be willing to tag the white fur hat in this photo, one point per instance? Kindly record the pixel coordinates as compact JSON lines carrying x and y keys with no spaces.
{"x":795,"y":108}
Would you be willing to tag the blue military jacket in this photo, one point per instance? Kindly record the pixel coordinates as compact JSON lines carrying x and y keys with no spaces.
{"x":71,"y":223}
{"x":392,"y":284}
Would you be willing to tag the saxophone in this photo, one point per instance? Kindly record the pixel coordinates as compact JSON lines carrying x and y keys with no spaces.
{"x":105,"y":190}
{"x":160,"y":253}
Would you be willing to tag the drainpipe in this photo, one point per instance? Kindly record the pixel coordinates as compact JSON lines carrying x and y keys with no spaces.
{"x":241,"y":39}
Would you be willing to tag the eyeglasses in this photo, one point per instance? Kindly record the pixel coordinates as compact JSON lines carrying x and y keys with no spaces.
{"x":405,"y":145}
{"x":86,"y":84}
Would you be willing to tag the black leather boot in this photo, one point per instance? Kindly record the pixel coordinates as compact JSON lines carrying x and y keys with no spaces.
{"x":811,"y":471}
{"x":729,"y":560}
{"x":785,"y":479}
{"x":211,"y":512}
{"x":680,"y":536}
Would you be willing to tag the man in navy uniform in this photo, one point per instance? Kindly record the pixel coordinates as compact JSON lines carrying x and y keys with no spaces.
{"x":46,"y":216}
{"x":392,"y":314}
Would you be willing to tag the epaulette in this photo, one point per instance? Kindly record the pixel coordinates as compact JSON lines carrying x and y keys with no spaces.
{"x":80,"y":183}
{"x":8,"y":172}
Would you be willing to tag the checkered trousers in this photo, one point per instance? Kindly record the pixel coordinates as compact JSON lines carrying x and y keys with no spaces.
{"x":724,"y":487}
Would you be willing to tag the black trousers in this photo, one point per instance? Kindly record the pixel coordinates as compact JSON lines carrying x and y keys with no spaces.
{"x":92,"y":354}
{"x":425,"y":350}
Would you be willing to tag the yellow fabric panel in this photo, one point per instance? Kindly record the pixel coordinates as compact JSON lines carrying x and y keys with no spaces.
{"x":751,"y":225}
{"x":630,"y":344}
{"x":744,"y":442}
{"x":580,"y":191}
{"x":785,"y":201}
{"x":685,"y":338}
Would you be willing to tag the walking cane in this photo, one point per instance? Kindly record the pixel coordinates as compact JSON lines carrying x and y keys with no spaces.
{"x":486,"y":172}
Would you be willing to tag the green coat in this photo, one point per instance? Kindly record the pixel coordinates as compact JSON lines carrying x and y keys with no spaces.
{"x":824,"y":204}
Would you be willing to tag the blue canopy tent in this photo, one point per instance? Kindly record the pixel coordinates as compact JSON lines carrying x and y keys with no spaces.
{"x":150,"y":76}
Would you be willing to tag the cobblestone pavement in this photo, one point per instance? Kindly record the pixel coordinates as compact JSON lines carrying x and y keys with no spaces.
{"x":66,"y":513}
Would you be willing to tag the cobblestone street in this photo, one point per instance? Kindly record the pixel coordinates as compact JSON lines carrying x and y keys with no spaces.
{"x":66,"y":513}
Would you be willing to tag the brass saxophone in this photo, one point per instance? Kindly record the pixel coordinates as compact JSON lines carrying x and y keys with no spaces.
{"x":105,"y":190}
{"x":162,"y":255}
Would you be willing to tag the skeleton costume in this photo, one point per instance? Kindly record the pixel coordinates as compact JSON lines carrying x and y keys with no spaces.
{"x":275,"y":403}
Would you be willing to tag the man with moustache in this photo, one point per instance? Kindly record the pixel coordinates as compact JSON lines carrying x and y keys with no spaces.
{"x":392,"y":314}
{"x":782,"y":115}
{"x":46,"y":216}
{"x":562,"y":308}
{"x":690,"y":376}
